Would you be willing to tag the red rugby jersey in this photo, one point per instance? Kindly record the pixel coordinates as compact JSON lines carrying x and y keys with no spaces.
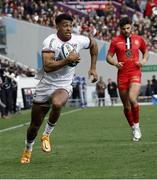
{"x":118,"y":47}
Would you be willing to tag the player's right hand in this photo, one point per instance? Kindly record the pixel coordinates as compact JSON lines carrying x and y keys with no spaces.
{"x":73,"y":57}
{"x":119,"y":65}
{"x":92,"y":74}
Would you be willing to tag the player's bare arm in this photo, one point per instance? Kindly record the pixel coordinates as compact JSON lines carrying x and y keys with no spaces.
{"x":111,"y":61}
{"x":50,"y":64}
{"x":144,"y":60}
{"x":93,"y":53}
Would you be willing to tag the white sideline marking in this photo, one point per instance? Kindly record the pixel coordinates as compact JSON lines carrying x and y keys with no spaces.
{"x":21,"y":125}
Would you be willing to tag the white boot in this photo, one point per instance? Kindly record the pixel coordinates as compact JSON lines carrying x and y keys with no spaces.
{"x":136,"y":133}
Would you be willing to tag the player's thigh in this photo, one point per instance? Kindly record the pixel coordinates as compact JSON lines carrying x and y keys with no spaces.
{"x":134,"y":90}
{"x":59,"y":97}
{"x":123,"y":82}
{"x":124,"y":95}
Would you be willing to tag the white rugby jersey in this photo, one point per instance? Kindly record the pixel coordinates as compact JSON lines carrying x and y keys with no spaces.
{"x":64,"y":75}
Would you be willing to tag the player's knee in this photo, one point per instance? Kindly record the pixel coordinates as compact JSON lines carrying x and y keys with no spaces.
{"x":126,"y":108}
{"x":126,"y":105}
{"x":134,"y":103}
{"x":57,"y":104}
{"x":132,"y":100}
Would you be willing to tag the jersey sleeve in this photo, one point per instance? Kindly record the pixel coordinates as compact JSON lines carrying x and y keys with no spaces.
{"x":48,"y":45}
{"x":143,"y":46}
{"x":112,"y":48}
{"x":84,"y":42}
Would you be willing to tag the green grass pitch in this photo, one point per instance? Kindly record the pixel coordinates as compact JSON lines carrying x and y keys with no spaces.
{"x":88,"y":143}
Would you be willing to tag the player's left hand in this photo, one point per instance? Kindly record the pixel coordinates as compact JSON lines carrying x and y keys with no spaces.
{"x":139,"y":64}
{"x":92,"y":75}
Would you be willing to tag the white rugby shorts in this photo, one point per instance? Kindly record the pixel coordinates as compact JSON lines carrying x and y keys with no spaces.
{"x":43,"y":92}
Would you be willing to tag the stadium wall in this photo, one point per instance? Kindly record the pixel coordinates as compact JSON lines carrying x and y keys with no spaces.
{"x":24,"y":43}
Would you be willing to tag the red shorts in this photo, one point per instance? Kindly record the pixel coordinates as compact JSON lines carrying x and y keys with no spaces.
{"x":124,"y":81}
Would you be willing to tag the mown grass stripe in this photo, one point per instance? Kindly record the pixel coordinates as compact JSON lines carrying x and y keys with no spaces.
{"x":24,"y":124}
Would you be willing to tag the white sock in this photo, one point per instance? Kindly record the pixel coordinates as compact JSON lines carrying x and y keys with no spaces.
{"x":48,"y":128}
{"x":133,"y":127}
{"x":136,"y":125}
{"x":29,"y":145}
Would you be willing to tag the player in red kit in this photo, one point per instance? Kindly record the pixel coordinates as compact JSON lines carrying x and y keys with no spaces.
{"x":127,"y":46}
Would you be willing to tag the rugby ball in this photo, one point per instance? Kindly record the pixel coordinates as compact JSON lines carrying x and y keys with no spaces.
{"x":66,"y":49}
